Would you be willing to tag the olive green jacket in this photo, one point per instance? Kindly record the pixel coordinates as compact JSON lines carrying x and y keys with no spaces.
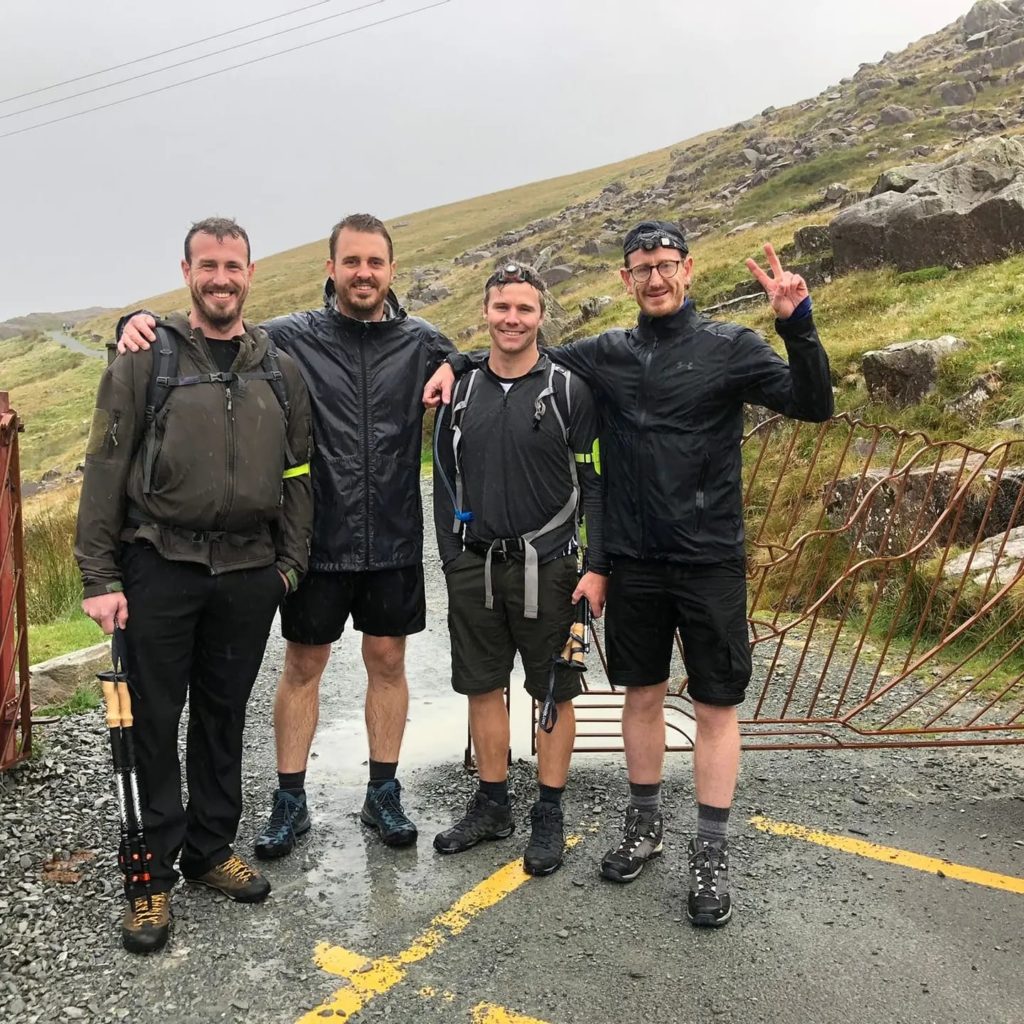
{"x":229,"y":484}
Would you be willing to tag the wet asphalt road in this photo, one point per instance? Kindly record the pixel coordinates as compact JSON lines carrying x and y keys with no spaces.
{"x":818,"y":935}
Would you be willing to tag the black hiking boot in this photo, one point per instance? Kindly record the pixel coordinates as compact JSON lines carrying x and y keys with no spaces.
{"x":708,"y":904}
{"x":237,"y":880}
{"x":146,"y":923}
{"x":484,"y":819}
{"x":641,"y":842}
{"x":383,"y":811}
{"x":289,"y":819}
{"x":547,"y":840}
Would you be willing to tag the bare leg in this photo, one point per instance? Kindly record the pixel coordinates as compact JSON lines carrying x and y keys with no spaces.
{"x":716,"y":754}
{"x":643,"y":732}
{"x":387,"y":695}
{"x":554,"y":749}
{"x":488,"y":725}
{"x":297,"y":704}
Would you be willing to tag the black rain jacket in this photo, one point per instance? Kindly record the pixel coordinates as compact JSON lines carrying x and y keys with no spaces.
{"x":671,"y":392}
{"x":365,"y":380}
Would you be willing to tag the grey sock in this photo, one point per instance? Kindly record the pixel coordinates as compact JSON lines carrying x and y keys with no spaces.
{"x":645,"y":796}
{"x":712,"y":824}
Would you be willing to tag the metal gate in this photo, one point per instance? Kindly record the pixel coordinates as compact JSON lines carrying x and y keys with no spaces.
{"x":15,"y":710}
{"x":885,"y":594}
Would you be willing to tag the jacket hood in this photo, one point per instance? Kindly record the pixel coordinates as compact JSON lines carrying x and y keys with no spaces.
{"x":393,"y":307}
{"x":253,"y":341}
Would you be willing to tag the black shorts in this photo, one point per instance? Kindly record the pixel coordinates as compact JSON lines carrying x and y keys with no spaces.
{"x":382,"y":602}
{"x":485,"y":640}
{"x":649,"y":600}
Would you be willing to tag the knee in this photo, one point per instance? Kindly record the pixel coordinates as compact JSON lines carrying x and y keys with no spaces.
{"x":645,"y":701}
{"x":385,"y":664}
{"x":713,"y":720}
{"x":304,"y":665}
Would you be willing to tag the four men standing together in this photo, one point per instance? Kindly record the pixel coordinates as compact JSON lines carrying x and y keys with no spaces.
{"x":517,"y":462}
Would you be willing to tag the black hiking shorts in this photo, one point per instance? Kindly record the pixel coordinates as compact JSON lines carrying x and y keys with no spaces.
{"x":649,"y":600}
{"x":382,"y":602}
{"x":485,"y":640}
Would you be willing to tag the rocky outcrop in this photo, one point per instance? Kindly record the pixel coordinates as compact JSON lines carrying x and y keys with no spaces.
{"x":906,"y":505}
{"x":907,"y":371}
{"x":968,"y":210}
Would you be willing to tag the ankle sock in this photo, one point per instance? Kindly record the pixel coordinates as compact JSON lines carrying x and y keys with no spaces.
{"x":496,"y":791}
{"x":551,"y":794}
{"x":645,"y":796}
{"x":712,"y":824}
{"x":382,"y":771}
{"x":292,"y":782}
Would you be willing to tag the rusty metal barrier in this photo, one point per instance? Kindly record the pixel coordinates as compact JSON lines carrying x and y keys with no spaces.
{"x":885,"y":595}
{"x":15,"y":710}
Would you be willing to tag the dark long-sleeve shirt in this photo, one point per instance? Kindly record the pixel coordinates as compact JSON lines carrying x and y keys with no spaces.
{"x":515,"y":464}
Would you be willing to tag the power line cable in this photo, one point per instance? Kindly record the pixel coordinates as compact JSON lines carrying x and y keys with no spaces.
{"x":191,"y":60}
{"x":220,"y":71}
{"x":163,"y":53}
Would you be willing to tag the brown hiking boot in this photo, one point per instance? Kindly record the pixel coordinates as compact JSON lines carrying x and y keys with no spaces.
{"x":237,"y":880}
{"x":146,"y":923}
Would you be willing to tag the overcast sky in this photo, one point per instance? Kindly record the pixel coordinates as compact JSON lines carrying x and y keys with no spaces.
{"x":462,"y":99}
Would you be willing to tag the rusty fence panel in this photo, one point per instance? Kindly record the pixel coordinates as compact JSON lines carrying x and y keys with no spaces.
{"x":885,"y":594}
{"x":15,"y":709}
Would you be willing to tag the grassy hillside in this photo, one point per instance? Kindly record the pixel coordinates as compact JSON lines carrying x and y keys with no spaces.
{"x":710,"y":183}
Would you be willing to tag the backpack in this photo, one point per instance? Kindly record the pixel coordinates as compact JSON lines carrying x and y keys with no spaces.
{"x":461,"y":395}
{"x":164,"y":376}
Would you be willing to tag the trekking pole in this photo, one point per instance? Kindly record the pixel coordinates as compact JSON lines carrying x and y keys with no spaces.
{"x":133,"y":854}
{"x":571,"y":656}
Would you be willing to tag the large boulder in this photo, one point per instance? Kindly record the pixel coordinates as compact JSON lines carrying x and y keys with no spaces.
{"x":905,"y":507}
{"x":907,"y":371}
{"x":956,"y":93}
{"x":895,"y":114}
{"x":968,"y":210}
{"x":985,"y":15}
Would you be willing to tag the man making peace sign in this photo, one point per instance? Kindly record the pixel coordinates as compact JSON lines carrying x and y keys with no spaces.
{"x":671,"y":392}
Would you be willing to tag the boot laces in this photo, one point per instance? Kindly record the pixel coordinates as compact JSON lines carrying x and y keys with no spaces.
{"x":149,"y":909}
{"x":281,"y":817}
{"x":707,"y":864}
{"x":236,"y":868}
{"x":390,"y":807}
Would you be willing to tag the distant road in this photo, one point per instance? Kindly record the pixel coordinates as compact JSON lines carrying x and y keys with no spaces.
{"x":75,"y":345}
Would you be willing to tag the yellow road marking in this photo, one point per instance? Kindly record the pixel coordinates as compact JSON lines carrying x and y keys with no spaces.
{"x":488,"y":1013}
{"x":892,"y":855}
{"x":368,"y":978}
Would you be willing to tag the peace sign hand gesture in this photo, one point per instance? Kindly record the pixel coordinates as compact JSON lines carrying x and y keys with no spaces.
{"x":785,"y":291}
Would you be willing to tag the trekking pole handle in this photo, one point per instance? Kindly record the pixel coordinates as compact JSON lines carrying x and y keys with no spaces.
{"x":110,"y":698}
{"x":125,"y":703}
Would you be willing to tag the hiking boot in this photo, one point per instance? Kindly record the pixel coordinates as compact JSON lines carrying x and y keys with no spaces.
{"x":484,"y":819}
{"x":146,"y":923}
{"x":708,"y":905}
{"x":237,"y":880}
{"x":547,"y":840}
{"x":641,"y":841}
{"x":382,"y":810}
{"x":289,"y":819}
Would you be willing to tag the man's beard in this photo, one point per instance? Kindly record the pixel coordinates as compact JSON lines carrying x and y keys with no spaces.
{"x":216,"y":317}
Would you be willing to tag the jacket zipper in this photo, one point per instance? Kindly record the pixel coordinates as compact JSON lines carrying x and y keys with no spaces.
{"x":229,"y":484}
{"x":645,"y":368}
{"x":366,"y":442}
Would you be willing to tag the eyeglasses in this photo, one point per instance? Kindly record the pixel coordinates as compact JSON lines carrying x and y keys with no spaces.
{"x":515,"y":273}
{"x":666,"y":269}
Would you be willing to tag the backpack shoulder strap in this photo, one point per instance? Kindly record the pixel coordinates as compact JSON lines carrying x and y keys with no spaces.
{"x":163,"y":370}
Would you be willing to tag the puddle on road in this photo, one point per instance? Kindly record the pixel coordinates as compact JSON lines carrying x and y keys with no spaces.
{"x":364,"y":885}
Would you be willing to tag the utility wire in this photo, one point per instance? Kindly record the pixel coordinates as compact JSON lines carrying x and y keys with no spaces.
{"x":220,"y":71}
{"x":163,"y":53}
{"x":191,"y":60}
